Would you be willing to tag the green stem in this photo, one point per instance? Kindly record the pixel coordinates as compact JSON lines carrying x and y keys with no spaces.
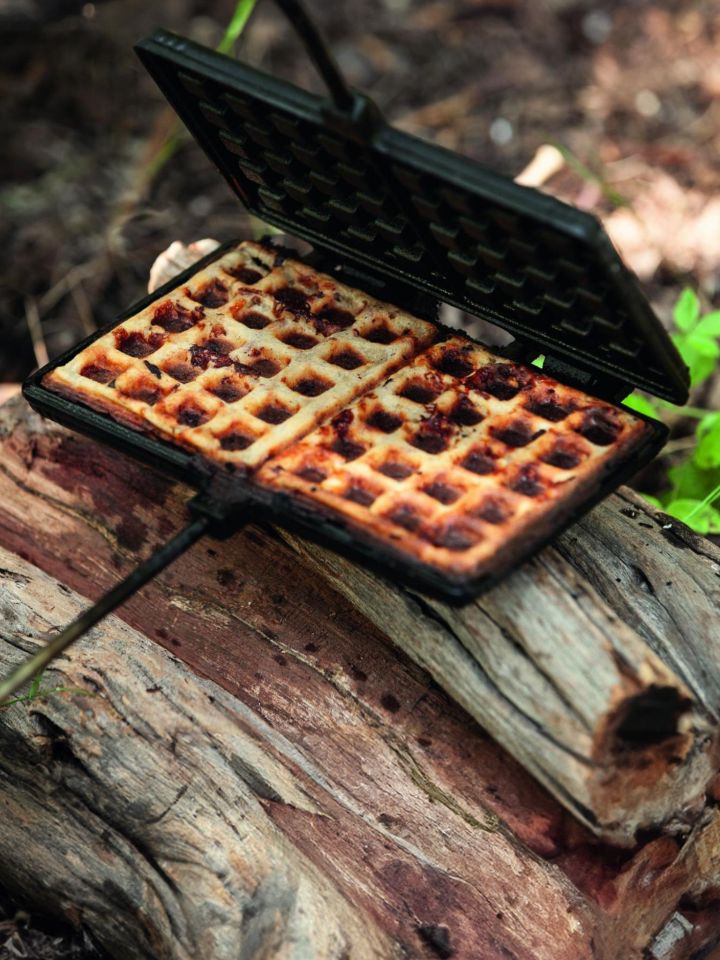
{"x":240,"y":17}
{"x":696,"y":412}
{"x":713,"y":495}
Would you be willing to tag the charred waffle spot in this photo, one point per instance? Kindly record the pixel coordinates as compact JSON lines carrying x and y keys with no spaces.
{"x":419,"y":391}
{"x":154,"y":370}
{"x":311,"y":474}
{"x":527,"y":481}
{"x":144,"y":392}
{"x":444,"y":493}
{"x":429,"y":443}
{"x":465,"y":413}
{"x":343,"y":443}
{"x":454,"y":362}
{"x":262,"y":367}
{"x":455,"y":536}
{"x":433,"y":435}
{"x":396,"y":469}
{"x":565,"y":455}
{"x":600,"y":426}
{"x":181,"y":371}
{"x":380,"y":334}
{"x":191,"y":415}
{"x":228,"y":390}
{"x":236,"y":440}
{"x":502,"y":380}
{"x":331,"y":319}
{"x":349,"y":449}
{"x":517,"y":433}
{"x":212,"y":294}
{"x":136,"y":344}
{"x":210,"y":353}
{"x":478,"y":461}
{"x":299,"y":340}
{"x":273,"y":413}
{"x":294,"y":300}
{"x":405,"y":516}
{"x":252,"y":319}
{"x":360,"y":494}
{"x":101,"y":372}
{"x":547,"y":406}
{"x":219,"y":345}
{"x":176,"y":318}
{"x":245,"y":275}
{"x":492,"y":510}
{"x":384,"y":421}
{"x":311,"y":386}
{"x":347,"y":359}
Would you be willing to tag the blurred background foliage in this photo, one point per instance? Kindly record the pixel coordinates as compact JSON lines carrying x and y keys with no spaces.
{"x":612,"y":106}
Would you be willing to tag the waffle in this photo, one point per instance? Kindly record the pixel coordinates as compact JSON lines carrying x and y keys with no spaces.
{"x":243,"y":360}
{"x":448,"y":455}
{"x":462,"y":460}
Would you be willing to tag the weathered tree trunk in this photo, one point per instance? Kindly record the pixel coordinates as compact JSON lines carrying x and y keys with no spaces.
{"x":317,"y":753}
{"x":563,"y":677}
{"x":557,"y":662}
{"x":175,"y":821}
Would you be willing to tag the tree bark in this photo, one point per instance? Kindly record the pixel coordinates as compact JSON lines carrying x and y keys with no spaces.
{"x":360,"y":777}
{"x":174,"y":821}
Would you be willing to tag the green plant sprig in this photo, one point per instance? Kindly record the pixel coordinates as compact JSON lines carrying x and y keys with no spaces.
{"x":695,"y":480}
{"x":37,"y":692}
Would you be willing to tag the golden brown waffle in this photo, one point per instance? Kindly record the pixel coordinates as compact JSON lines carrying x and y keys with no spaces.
{"x":460,"y":459}
{"x":246,"y":358}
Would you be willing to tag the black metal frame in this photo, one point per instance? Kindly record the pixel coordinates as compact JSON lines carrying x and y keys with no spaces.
{"x":519,"y":258}
{"x":181,"y":68}
{"x":414,"y":273}
{"x":229,"y":499}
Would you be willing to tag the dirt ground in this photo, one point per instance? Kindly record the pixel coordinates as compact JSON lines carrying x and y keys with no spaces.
{"x":629,"y":91}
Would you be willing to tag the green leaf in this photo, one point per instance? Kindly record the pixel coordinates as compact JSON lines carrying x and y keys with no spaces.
{"x":639,"y":402}
{"x":703,"y":345}
{"x":707,"y":452}
{"x":687,"y":310}
{"x":700,"y":362}
{"x":691,"y":481}
{"x":699,"y":516}
{"x":709,"y":326}
{"x":653,"y":501}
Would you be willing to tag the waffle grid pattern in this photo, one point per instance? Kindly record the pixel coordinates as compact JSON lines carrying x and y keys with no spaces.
{"x":465,"y":235}
{"x":455,"y":454}
{"x":247,"y":357}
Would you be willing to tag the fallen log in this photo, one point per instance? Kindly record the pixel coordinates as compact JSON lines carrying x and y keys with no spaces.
{"x":613,"y":718}
{"x":174,"y":820}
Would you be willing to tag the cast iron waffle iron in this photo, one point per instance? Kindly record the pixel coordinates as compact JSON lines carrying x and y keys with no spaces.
{"x":325,"y":393}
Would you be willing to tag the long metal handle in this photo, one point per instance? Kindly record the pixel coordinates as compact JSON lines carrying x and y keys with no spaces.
{"x":319,"y":52}
{"x":118,"y":595}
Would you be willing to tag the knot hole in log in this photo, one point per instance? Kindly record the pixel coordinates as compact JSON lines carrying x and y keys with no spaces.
{"x":650,"y":719}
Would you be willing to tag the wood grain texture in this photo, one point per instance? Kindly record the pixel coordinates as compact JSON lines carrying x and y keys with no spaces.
{"x":173,"y":821}
{"x":563,"y":677}
{"x":425,"y":823}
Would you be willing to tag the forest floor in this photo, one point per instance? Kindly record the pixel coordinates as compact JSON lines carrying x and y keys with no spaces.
{"x":628,"y":92}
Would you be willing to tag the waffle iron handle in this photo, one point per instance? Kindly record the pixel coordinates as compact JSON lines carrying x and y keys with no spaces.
{"x":319,"y":54}
{"x":200,"y":524}
{"x":354,"y":113}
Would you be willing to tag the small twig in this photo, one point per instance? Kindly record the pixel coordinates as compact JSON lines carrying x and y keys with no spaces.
{"x":83,"y":307}
{"x":32,"y":317}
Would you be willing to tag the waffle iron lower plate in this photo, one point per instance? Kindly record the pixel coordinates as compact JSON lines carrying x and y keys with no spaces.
{"x":403,"y":443}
